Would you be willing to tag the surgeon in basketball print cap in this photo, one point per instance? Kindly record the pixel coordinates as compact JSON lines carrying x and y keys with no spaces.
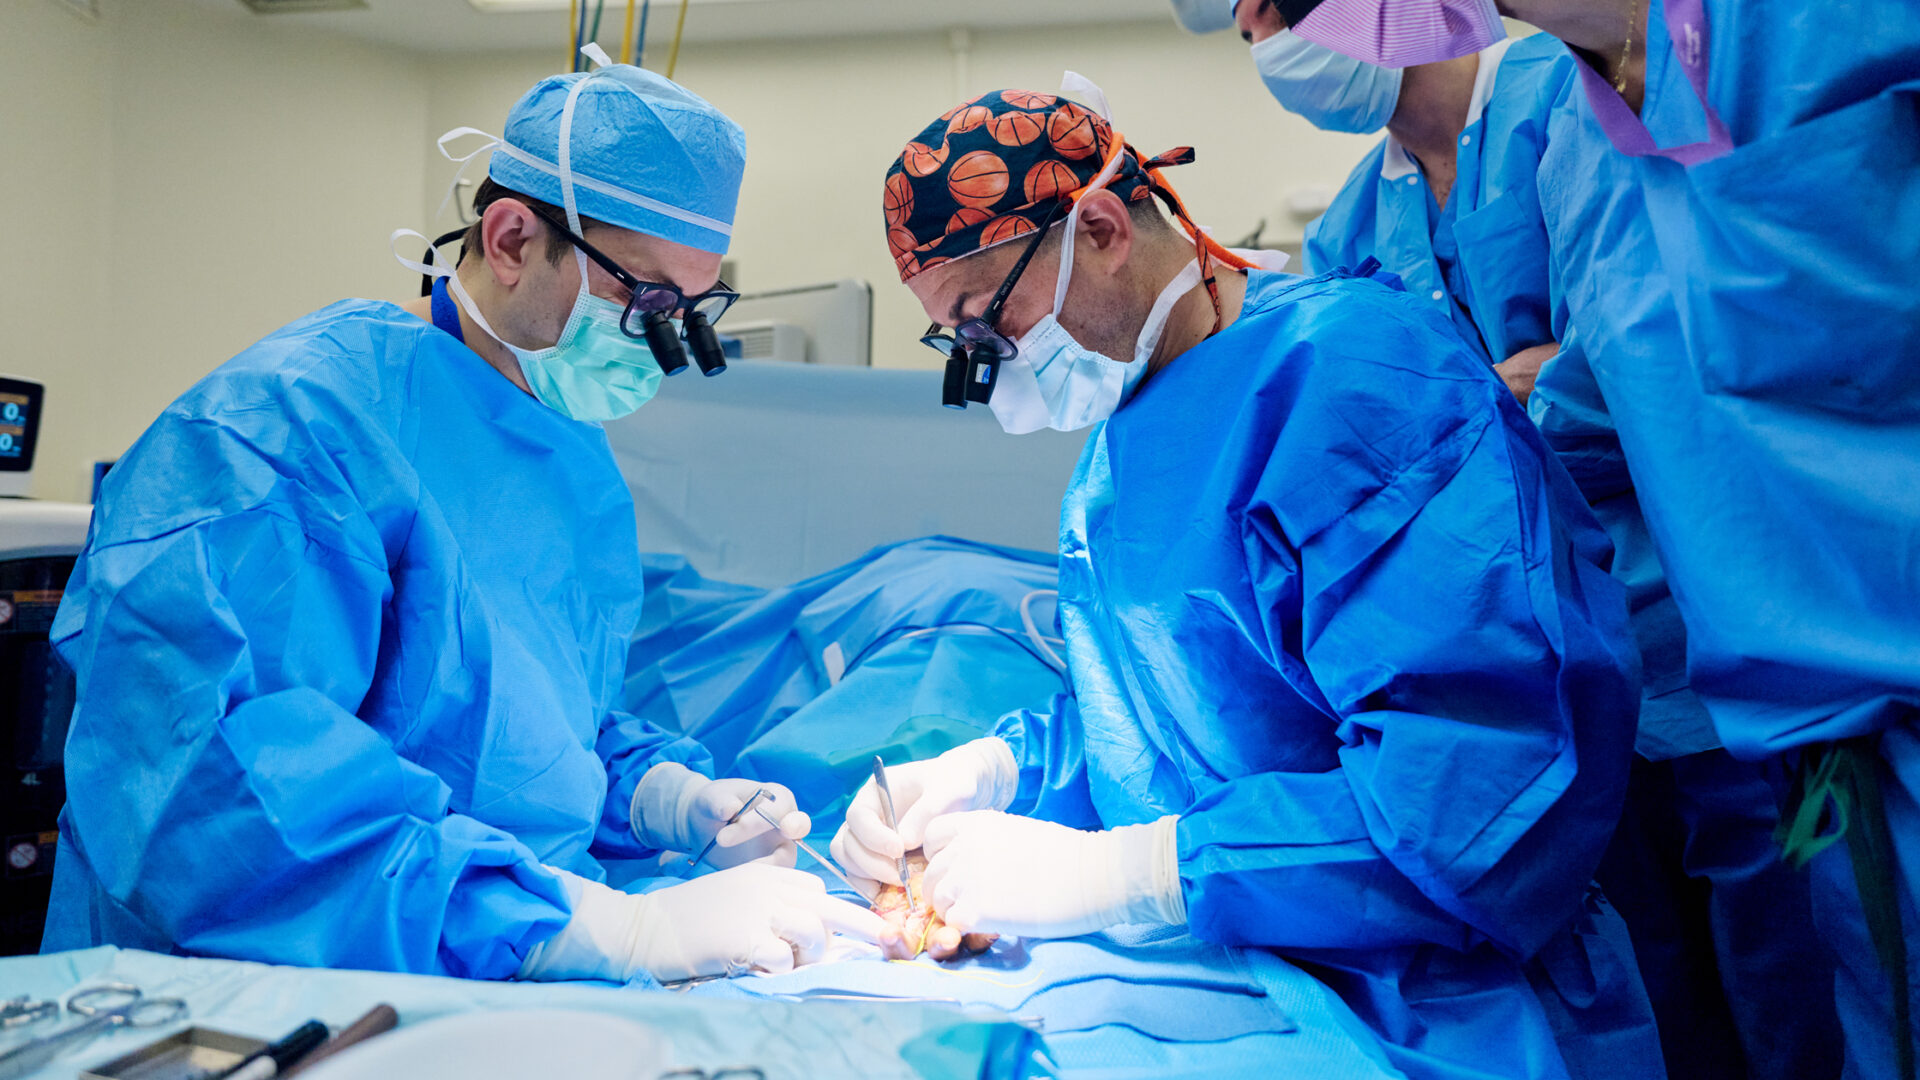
{"x":1350,"y":678}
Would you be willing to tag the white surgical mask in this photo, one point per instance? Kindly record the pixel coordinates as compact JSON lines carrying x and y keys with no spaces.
{"x":1333,"y":92}
{"x":1055,"y":382}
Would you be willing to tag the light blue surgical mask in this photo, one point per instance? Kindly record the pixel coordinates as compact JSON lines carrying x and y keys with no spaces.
{"x":1053,"y":381}
{"x":1333,"y":92}
{"x":595,"y":371}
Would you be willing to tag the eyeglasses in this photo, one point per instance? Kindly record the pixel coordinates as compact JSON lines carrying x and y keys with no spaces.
{"x":650,"y":308}
{"x":975,"y":349}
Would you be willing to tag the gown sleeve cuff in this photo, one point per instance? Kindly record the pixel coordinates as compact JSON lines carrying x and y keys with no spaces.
{"x":1002,"y":769}
{"x":1150,"y":868}
{"x":660,"y":803}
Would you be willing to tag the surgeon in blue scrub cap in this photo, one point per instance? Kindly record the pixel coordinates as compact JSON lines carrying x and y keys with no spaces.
{"x":352,"y":624}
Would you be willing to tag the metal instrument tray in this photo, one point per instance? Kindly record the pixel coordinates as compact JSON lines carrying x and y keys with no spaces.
{"x":193,"y":1054}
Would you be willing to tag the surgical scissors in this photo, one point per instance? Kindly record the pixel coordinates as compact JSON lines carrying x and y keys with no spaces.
{"x":107,"y":1006}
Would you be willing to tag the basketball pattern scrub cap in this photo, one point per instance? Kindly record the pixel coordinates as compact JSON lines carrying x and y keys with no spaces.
{"x":989,"y":170}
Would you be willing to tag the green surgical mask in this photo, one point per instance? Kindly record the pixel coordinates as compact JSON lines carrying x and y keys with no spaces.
{"x":595,"y":371}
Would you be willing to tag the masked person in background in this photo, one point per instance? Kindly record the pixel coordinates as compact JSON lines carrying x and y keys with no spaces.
{"x":1446,"y":200}
{"x":1449,"y":200}
{"x":1350,"y":679}
{"x":353,"y":618}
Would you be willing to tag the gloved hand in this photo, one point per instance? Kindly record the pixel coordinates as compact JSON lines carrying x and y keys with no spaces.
{"x":761,"y":918}
{"x":677,"y":809}
{"x":990,"y":872}
{"x":980,"y":775}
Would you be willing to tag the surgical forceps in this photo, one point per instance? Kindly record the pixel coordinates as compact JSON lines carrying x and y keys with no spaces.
{"x":107,"y":1006}
{"x":753,"y":804}
{"x":825,"y":863}
{"x":737,"y":815}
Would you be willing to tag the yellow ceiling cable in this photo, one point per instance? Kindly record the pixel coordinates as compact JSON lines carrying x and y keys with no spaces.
{"x":626,"y":38}
{"x":573,"y":33}
{"x":673,"y":56}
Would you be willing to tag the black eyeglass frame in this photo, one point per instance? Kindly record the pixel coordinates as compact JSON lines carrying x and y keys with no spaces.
{"x":979,"y":331}
{"x":655,"y":323}
{"x":636,"y":314}
{"x":976,"y":348}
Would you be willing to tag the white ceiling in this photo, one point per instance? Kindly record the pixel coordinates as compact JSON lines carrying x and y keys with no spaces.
{"x":454,"y":25}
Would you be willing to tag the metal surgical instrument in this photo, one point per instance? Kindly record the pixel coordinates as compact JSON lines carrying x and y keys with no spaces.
{"x":816,"y":856}
{"x":886,"y":807}
{"x":737,"y":815}
{"x":21,"y":1011}
{"x":107,"y":1006}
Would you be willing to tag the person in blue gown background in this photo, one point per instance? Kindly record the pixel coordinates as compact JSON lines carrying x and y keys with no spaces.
{"x":1730,"y":197}
{"x":1722,"y":927}
{"x":1728,"y":208}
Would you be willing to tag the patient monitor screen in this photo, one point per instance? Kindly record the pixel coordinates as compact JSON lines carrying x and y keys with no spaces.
{"x":19,"y":422}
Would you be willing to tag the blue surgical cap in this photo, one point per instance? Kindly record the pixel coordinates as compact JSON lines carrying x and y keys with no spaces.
{"x":645,"y":154}
{"x":1204,"y":16}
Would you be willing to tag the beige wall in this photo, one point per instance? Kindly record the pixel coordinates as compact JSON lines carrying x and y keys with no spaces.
{"x":184,"y":180}
{"x":188,"y":177}
{"x":256,"y":175}
{"x":55,"y":185}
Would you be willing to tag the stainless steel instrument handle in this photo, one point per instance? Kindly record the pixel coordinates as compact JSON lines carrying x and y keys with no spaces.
{"x":27,"y":1057}
{"x":886,"y":806}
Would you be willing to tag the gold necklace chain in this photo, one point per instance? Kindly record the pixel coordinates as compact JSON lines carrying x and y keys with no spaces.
{"x":1626,"y":51}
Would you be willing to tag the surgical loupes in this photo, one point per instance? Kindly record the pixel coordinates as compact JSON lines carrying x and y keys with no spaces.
{"x":886,"y":810}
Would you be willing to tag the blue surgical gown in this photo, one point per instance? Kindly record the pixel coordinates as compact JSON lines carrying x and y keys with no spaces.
{"x":1481,"y":259}
{"x":1721,"y":927}
{"x":1485,"y":260}
{"x":1772,"y":417}
{"x":349,"y":632}
{"x":1328,"y":597}
{"x":1751,"y":323}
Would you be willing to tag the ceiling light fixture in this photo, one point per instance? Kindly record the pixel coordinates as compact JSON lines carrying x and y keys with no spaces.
{"x":289,"y":7}
{"x":519,"y":7}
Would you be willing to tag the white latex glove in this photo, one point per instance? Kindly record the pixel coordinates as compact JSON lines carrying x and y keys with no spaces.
{"x":760,"y":918}
{"x":980,"y":775}
{"x":995,"y":873}
{"x":678,"y":809}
